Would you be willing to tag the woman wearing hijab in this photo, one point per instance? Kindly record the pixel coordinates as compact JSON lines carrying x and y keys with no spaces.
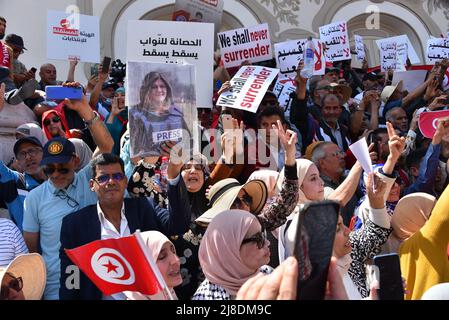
{"x":233,"y":249}
{"x":423,"y":251}
{"x":163,"y":253}
{"x":83,"y":152}
{"x":54,"y":124}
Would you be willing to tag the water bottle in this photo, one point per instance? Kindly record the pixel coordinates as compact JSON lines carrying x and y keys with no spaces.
{"x":164,"y":168}
{"x":309,"y":54}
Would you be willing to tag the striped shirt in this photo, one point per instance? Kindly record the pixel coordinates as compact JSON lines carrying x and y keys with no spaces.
{"x":11,"y":242}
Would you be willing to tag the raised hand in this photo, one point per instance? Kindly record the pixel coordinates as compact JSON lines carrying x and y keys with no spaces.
{"x":288,"y":140}
{"x":299,"y":79}
{"x":224,"y":87}
{"x":396,"y":144}
{"x":442,"y":130}
{"x":375,"y":189}
{"x":232,"y":141}
{"x":438,"y":102}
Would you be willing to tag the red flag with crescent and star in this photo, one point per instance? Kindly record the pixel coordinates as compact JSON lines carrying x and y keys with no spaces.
{"x":116,"y":265}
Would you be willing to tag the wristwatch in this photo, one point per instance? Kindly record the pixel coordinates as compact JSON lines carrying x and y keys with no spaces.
{"x":93,"y":120}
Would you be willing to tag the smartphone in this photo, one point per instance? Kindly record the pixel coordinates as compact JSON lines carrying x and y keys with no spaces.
{"x":106,"y":63}
{"x":94,"y":69}
{"x":227,"y":122}
{"x":61,"y":93}
{"x":314,"y":241}
{"x":33,"y":69}
{"x":387,"y":268}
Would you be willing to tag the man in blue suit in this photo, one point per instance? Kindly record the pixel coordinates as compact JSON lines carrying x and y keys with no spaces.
{"x":115,"y":217}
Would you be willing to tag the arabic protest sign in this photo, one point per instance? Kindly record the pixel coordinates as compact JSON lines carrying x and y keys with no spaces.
{"x":437,"y":50}
{"x":161,"y":100}
{"x":199,"y":11}
{"x":248,"y":87}
{"x":73,"y":37}
{"x":170,"y":42}
{"x":252,"y":44}
{"x":359,"y":47}
{"x":388,"y":56}
{"x":428,"y":122}
{"x":289,"y":53}
{"x":283,"y":90}
{"x":336,"y":39}
{"x":402,"y":43}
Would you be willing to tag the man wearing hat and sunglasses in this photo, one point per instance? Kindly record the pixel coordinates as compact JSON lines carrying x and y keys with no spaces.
{"x":64,"y":192}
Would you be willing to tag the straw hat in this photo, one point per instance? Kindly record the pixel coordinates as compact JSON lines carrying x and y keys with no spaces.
{"x":345,"y":90}
{"x":223,"y":194}
{"x":311,"y":148}
{"x":31,"y":267}
{"x":389,"y":90}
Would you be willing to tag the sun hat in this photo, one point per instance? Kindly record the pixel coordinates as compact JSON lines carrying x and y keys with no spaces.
{"x":389,"y":90}
{"x":31,"y":268}
{"x":346,"y":91}
{"x":223,"y":194}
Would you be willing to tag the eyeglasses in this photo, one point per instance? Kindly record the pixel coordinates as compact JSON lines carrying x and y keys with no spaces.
{"x":259,"y":238}
{"x":338,"y":153}
{"x":104,"y":178}
{"x":32,"y":153}
{"x":245,"y":199}
{"x":62,"y":194}
{"x":50,"y":170}
{"x":16,"y":284}
{"x":54,"y":120}
{"x":197,"y":166}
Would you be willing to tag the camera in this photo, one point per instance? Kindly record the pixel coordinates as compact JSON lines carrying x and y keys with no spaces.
{"x":118,"y":71}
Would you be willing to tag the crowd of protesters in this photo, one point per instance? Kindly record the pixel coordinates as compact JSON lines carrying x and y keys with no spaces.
{"x":225,"y":228}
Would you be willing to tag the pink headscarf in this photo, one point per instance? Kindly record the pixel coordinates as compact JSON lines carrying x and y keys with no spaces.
{"x":219,"y":251}
{"x":154,"y":241}
{"x":302,"y":166}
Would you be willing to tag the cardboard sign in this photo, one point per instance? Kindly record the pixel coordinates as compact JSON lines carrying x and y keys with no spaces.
{"x":171,"y":42}
{"x":161,"y":100}
{"x":411,"y":79}
{"x":199,"y":11}
{"x":437,"y":50}
{"x":428,"y":122}
{"x":289,"y":53}
{"x":336,"y":39}
{"x":401,"y":42}
{"x":73,"y":37}
{"x":359,"y":47}
{"x":248,"y":88}
{"x":252,"y":44}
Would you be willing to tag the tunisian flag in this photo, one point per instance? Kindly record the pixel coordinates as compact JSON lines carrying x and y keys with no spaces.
{"x":428,"y":122}
{"x":117,"y":265}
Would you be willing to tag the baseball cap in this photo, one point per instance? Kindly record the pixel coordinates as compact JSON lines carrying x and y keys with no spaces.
{"x":109,"y":84}
{"x":30,"y":139}
{"x":15,"y":40}
{"x":371,"y":76}
{"x":58,"y":150}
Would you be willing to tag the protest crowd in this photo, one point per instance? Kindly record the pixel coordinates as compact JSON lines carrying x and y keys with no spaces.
{"x":218,"y":207}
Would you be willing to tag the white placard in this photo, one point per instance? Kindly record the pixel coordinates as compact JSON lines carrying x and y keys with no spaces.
{"x":437,"y":50}
{"x":388,"y":56}
{"x":169,"y":41}
{"x":289,"y":53}
{"x":248,"y":87}
{"x":400,"y":42}
{"x":336,"y":39}
{"x":252,"y":44}
{"x":73,"y":37}
{"x":361,"y":153}
{"x":411,"y":79}
{"x":283,"y":90}
{"x":359,"y":47}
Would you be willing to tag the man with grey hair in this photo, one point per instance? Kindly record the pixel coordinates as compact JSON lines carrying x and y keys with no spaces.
{"x":398,"y":118}
{"x":330,"y":161}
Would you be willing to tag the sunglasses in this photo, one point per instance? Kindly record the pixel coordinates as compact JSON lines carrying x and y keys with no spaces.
{"x":104,"y":178}
{"x":259,"y":238}
{"x":62,"y":194}
{"x":197,"y":166}
{"x":54,"y":120}
{"x":50,"y":170}
{"x":16,"y":284}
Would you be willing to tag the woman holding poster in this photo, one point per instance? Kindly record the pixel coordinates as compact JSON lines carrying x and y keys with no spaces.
{"x":158,"y":115}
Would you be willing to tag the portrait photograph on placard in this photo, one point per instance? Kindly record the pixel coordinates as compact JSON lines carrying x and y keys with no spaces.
{"x":162,"y":106}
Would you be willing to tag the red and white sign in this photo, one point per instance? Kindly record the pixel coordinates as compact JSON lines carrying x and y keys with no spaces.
{"x":428,"y":122}
{"x":336,"y":39}
{"x":117,"y":265}
{"x":238,"y":45}
{"x":289,"y":53}
{"x":248,"y":88}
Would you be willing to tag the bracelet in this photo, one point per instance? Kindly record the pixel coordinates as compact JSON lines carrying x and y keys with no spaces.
{"x":93,"y":120}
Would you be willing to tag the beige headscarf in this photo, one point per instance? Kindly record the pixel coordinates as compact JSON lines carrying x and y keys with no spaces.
{"x":219,"y":251}
{"x":302,"y":165}
{"x":411,"y":213}
{"x":154,"y":241}
{"x":268,"y":176}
